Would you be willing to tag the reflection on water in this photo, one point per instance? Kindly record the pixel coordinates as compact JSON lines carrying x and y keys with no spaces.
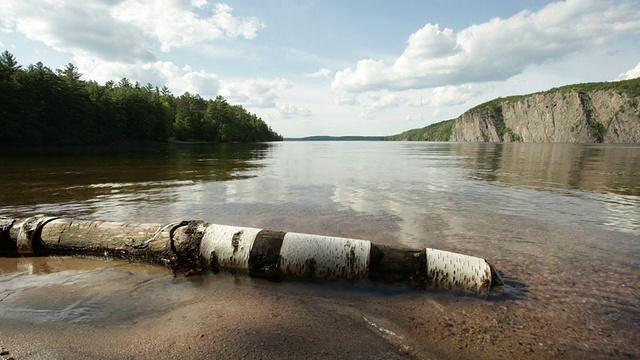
{"x":67,"y":176}
{"x":54,"y":264}
{"x":609,"y":169}
{"x":407,"y":192}
{"x":564,"y":219}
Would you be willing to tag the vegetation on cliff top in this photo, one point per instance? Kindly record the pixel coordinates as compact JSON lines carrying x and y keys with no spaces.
{"x":630,"y":87}
{"x":337,"y":138}
{"x":42,"y":107}
{"x":435,"y":132}
{"x":493,"y":109}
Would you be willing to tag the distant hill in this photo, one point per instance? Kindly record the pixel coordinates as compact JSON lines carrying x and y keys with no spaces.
{"x":603,"y":112}
{"x":435,"y":132}
{"x":337,"y":138}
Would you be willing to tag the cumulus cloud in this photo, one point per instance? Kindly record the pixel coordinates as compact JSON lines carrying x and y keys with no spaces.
{"x":451,"y":95}
{"x":112,"y":39}
{"x":178,"y":79}
{"x":201,"y":82}
{"x":324,"y":72}
{"x":414,"y":117}
{"x":495,"y":50}
{"x":631,"y":74}
{"x":122,"y":30}
{"x":288,"y":111}
{"x":174,"y":24}
{"x":199,"y":3}
{"x":382,"y":100}
{"x":78,"y":27}
{"x":259,"y":92}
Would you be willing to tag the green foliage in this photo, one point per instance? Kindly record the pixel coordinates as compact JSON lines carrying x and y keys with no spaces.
{"x":9,"y":96}
{"x":514,"y":137}
{"x":492,"y":111}
{"x":493,"y":108}
{"x":337,"y":138}
{"x":39,"y":106}
{"x":598,"y":130}
{"x":440,"y":131}
{"x":492,"y":105}
{"x":630,"y":87}
{"x":495,"y":113}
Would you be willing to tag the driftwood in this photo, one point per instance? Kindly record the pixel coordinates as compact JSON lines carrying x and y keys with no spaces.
{"x":189,"y":245}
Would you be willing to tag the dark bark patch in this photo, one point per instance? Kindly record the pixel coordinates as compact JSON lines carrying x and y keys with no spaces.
{"x":265,"y":254}
{"x":235,"y":241}
{"x":392,"y":265}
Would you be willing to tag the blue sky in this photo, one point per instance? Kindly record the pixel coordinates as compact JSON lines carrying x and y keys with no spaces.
{"x":330,"y":67}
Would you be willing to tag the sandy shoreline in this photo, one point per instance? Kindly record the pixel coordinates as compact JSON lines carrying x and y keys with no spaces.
{"x":134,"y":311}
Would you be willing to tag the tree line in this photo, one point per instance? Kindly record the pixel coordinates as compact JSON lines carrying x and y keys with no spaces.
{"x":440,"y":131}
{"x":43,"y":107}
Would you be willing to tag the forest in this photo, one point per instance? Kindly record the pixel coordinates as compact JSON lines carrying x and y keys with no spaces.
{"x":44,"y":107}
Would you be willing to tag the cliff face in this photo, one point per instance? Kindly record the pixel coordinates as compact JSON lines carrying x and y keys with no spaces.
{"x":608,"y":116}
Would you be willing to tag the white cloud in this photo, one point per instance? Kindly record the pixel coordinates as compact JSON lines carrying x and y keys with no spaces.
{"x":288,"y":111}
{"x":122,"y":30}
{"x":159,"y":73}
{"x":631,"y":74}
{"x":372,"y":102}
{"x":259,"y":92}
{"x":112,"y":39}
{"x":495,"y":50}
{"x":174,"y":24}
{"x":324,"y":72}
{"x":414,"y":117}
{"x":451,"y":95}
{"x":199,"y":3}
{"x":382,"y":100}
{"x":77,"y":27}
{"x":202,"y":83}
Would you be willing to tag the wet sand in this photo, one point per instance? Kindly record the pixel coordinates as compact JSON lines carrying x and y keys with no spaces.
{"x":143,"y":312}
{"x":65,"y":308}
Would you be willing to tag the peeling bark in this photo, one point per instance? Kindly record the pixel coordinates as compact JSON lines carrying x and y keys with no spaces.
{"x":190,"y":246}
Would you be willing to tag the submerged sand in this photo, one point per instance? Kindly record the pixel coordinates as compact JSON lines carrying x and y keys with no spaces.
{"x":66,"y":308}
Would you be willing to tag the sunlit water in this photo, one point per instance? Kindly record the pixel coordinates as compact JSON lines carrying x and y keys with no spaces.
{"x":562,"y":219}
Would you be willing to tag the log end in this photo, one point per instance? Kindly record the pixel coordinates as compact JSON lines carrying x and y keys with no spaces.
{"x":184,"y":252}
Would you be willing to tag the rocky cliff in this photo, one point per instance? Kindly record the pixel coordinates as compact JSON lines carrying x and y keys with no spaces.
{"x":587,"y":113}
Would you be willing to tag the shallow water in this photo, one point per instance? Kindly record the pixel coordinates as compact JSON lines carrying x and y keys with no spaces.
{"x":560,"y":220}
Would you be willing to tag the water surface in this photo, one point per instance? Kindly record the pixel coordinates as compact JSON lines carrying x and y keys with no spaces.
{"x":562,"y":219}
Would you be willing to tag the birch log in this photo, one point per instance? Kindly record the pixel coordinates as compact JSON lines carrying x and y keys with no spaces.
{"x":261,"y":253}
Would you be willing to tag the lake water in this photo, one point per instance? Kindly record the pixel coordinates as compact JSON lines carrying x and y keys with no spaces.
{"x":561,"y":221}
